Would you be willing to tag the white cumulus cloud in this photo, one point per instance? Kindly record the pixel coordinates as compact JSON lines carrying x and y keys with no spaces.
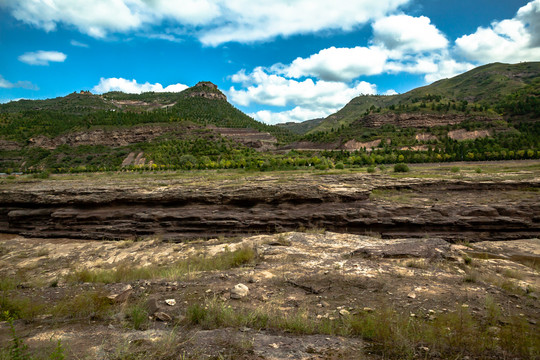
{"x":298,"y":114}
{"x":510,"y":40}
{"x":401,"y":43}
{"x":434,"y":66}
{"x":212,"y":21}
{"x":339,"y":64}
{"x":42,"y":57}
{"x":447,"y":68}
{"x":310,"y":98}
{"x":133,"y":87}
{"x":94,"y":18}
{"x":248,"y":21}
{"x":408,"y":34}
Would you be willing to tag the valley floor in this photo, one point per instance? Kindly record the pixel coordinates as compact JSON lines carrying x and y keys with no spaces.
{"x":311,"y":295}
{"x":308,"y":293}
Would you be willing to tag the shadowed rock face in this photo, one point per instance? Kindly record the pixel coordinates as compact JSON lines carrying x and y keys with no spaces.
{"x":416,"y":120}
{"x":176,"y":209}
{"x":119,"y":137}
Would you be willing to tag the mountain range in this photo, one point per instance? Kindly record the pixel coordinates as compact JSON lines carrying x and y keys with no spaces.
{"x":490,"y":112}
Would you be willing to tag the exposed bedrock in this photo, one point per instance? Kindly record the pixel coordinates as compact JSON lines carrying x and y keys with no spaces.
{"x":450,"y":209}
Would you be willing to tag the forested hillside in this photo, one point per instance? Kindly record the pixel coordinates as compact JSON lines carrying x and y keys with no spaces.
{"x":489,"y":90}
{"x":489,"y":113}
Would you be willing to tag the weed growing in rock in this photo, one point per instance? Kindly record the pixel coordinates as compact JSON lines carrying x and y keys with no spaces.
{"x":18,"y":350}
{"x":315,"y":230}
{"x":137,"y":316}
{"x":514,"y":274}
{"x":472,"y":276}
{"x":493,"y":311}
{"x":168,"y":346}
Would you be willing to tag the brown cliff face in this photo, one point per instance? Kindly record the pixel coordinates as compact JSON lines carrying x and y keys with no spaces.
{"x":262,"y":141}
{"x":193,"y":208}
{"x":119,"y":137}
{"x":417,"y":120}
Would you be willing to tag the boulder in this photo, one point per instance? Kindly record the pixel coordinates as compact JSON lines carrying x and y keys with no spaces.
{"x":122,"y":295}
{"x":239,"y":291}
{"x":163,"y":316}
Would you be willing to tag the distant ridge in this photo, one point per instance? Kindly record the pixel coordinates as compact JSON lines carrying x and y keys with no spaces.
{"x":488,"y":86}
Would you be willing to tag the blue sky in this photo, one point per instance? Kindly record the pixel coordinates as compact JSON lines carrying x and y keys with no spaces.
{"x":277,"y":60}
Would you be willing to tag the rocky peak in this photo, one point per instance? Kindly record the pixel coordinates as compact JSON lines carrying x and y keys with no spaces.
{"x":207,"y":84}
{"x":207,"y":89}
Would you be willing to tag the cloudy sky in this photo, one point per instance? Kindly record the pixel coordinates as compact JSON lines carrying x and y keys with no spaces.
{"x":277,"y":60}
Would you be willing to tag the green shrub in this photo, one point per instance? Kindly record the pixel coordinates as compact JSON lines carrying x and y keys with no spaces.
{"x":454,"y":169}
{"x":42,"y":175}
{"x":340,"y":165}
{"x":18,"y":307}
{"x":371,"y":169}
{"x":401,"y":167}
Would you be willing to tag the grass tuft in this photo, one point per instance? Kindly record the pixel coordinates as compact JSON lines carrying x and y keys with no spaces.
{"x":89,"y":304}
{"x":137,"y":316}
{"x":417,"y":264}
{"x":401,"y":167}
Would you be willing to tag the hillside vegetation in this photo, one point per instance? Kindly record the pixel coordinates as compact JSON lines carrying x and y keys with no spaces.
{"x":489,"y":113}
{"x":490,"y":90}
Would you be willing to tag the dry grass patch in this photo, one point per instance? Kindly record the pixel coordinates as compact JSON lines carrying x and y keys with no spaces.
{"x":87,"y":304}
{"x":391,"y":334}
{"x":128,"y":272}
{"x":418,"y":264}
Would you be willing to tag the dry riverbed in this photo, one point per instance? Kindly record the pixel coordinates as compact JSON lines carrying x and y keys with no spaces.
{"x":442,"y":262}
{"x":305,"y":295}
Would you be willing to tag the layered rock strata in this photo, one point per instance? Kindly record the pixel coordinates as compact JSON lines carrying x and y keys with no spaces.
{"x":178,"y":209}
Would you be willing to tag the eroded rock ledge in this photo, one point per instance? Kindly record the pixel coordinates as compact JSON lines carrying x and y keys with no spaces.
{"x":189,"y":208}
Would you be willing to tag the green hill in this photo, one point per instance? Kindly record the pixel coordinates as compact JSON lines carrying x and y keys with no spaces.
{"x":489,"y":90}
{"x":202,"y":104}
{"x":74,"y":103}
{"x":489,"y":113}
{"x":300,"y":128}
{"x":87,"y":132}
